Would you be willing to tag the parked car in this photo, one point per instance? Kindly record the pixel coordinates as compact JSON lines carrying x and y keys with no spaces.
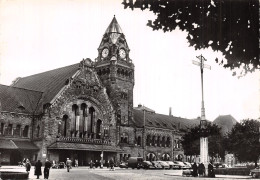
{"x":187,"y":172}
{"x":123,"y":165}
{"x":164,"y":164}
{"x":171,"y":164}
{"x":135,"y":162}
{"x":188,"y":165}
{"x":255,"y":173}
{"x":148,"y":165}
{"x":179,"y":165}
{"x":61,"y":165}
{"x":157,"y":165}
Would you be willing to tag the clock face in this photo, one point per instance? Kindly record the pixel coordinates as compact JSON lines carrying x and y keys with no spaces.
{"x":122,"y":53}
{"x":105,"y":52}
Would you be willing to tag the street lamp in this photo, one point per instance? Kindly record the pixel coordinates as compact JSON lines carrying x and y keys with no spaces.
{"x":203,"y":122}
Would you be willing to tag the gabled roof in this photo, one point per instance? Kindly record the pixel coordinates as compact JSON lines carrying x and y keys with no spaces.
{"x":19,"y":100}
{"x":49,"y":82}
{"x":114,"y":27}
{"x":226,"y":122}
{"x":140,"y":107}
{"x":161,"y":121}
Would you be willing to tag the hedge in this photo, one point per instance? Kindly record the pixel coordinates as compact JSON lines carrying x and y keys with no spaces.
{"x":13,"y":175}
{"x":232,"y":171}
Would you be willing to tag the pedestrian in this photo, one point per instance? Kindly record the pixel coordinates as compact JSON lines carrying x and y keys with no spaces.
{"x":201,"y":169}
{"x":195,"y":170}
{"x":68,"y":164}
{"x":28,"y":166}
{"x":76,"y":162}
{"x":38,"y":169}
{"x":96,"y":164}
{"x":111,"y":163}
{"x":24,"y":161}
{"x":47,"y":169}
{"x":211,"y":170}
{"x":91,"y":164}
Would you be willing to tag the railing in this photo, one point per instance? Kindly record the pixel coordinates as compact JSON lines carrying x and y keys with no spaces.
{"x":84,"y":140}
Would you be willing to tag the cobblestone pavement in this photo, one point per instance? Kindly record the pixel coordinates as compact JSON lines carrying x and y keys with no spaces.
{"x":83,"y":173}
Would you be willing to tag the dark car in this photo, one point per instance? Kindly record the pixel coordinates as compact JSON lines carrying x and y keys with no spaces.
{"x":135,"y":162}
{"x":148,"y":165}
{"x":61,"y":165}
{"x":123,"y":165}
{"x":255,"y":173}
{"x":157,"y":165}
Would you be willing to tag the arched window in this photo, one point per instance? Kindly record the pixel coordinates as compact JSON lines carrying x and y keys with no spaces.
{"x":124,"y":138}
{"x":38,"y":131}
{"x":92,"y":118}
{"x":158,"y":141}
{"x":2,"y":129}
{"x":139,"y":141}
{"x":9,"y":130}
{"x":98,"y":129}
{"x":153,"y":141}
{"x":26,"y":131}
{"x":64,"y":121}
{"x":148,"y":139}
{"x":168,"y":142}
{"x":163,"y":141}
{"x":18,"y":130}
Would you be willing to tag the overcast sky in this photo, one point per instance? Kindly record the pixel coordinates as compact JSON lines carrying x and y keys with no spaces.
{"x":37,"y":36}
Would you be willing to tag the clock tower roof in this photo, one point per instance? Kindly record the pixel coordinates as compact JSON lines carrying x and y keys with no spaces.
{"x":114,"y":27}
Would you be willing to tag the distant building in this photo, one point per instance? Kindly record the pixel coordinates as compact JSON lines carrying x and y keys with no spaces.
{"x":80,"y":110}
{"x":226,"y":122}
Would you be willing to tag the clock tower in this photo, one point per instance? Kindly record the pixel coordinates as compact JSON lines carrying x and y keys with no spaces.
{"x":116,"y":71}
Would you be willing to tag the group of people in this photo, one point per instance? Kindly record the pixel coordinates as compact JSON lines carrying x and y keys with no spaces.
{"x":38,"y":166}
{"x":200,"y":170}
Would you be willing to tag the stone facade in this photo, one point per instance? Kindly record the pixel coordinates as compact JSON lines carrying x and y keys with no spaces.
{"x":92,"y":116}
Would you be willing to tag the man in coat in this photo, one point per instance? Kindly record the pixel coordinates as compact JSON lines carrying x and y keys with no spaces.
{"x":68,"y":164}
{"x":195,"y":170}
{"x":47,"y":169}
{"x":38,"y":170}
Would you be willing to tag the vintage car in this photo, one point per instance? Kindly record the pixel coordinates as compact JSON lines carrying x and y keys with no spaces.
{"x":164,"y":164}
{"x":171,"y":164}
{"x":148,"y":165}
{"x":157,"y":165}
{"x":255,"y":173}
{"x":123,"y":165}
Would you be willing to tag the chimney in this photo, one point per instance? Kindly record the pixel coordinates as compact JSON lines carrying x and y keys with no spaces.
{"x":170,"y":111}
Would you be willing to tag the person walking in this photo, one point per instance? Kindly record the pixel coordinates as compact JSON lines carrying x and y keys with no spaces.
{"x":28,"y":166}
{"x":68,"y":164}
{"x":91,"y":164}
{"x":195,"y":170}
{"x":111,"y":163}
{"x":211,"y":170}
{"x":76,"y":163}
{"x":47,"y":169}
{"x":201,"y":169}
{"x":38,"y":169}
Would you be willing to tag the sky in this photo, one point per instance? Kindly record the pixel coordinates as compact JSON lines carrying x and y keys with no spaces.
{"x":37,"y":36}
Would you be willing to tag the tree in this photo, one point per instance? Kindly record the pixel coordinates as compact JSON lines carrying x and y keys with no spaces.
{"x":243,"y":141}
{"x":191,"y":141}
{"x":229,"y":26}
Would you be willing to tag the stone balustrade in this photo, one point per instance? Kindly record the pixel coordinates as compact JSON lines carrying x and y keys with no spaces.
{"x":84,"y":140}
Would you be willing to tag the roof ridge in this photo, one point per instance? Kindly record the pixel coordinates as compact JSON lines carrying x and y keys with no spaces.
{"x":21,"y":88}
{"x":46,"y":71}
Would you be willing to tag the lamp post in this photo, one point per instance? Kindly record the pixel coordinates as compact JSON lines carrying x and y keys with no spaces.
{"x":203,"y":122}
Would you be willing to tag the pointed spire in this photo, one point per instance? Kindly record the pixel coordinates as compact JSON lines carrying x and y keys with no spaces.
{"x":114,"y":27}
